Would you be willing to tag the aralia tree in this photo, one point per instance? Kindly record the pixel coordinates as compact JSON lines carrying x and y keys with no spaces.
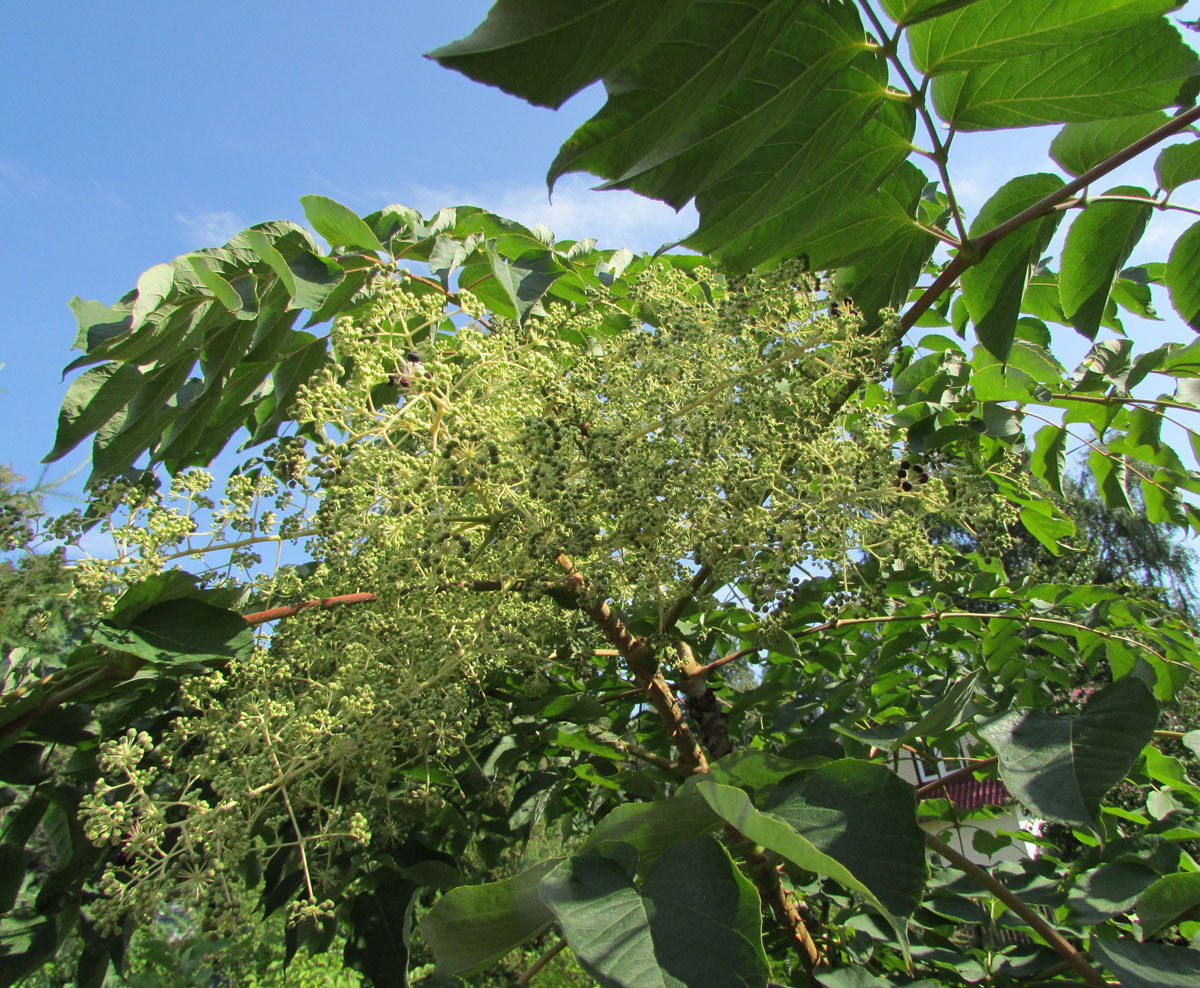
{"x":541,"y":494}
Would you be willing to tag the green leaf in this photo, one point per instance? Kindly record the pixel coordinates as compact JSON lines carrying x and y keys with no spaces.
{"x":1149,"y":965}
{"x":945,"y":713}
{"x":1060,"y":767}
{"x":695,"y":921}
{"x":1050,"y":456}
{"x":178,"y":631}
{"x":734,"y":806}
{"x":98,"y":323}
{"x":774,"y":209}
{"x":1098,"y":244}
{"x":1108,"y":891}
{"x":1111,"y":475}
{"x":170,"y":585}
{"x":205,"y":270}
{"x":544,"y":52}
{"x":865,"y":816}
{"x":653,"y":827}
{"x":993,"y":288}
{"x":524,"y":282}
{"x":1168,"y":901}
{"x":153,"y":287}
{"x":13,"y":862}
{"x":1183,"y":276}
{"x":92,"y":400}
{"x":1079,"y":147}
{"x":747,"y":83}
{"x":473,"y":925}
{"x":1132,"y":71}
{"x":1001,"y":421}
{"x":1177,"y":165}
{"x":991,"y":31}
{"x":909,"y":12}
{"x":380,"y":921}
{"x":340,"y":226}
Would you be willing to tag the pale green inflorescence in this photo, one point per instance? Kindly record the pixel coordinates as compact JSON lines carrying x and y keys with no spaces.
{"x":699,"y":433}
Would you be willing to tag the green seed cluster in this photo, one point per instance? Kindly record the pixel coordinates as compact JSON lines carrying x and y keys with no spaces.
{"x":689,"y":425}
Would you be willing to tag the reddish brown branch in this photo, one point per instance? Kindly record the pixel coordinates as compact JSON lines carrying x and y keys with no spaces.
{"x":289,"y":610}
{"x":716,"y":664}
{"x":702,"y":705}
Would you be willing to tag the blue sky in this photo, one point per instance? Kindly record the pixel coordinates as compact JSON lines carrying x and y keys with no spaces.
{"x":134,"y":132}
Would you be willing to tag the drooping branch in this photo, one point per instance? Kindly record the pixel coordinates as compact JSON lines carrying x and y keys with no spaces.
{"x":1068,"y":953}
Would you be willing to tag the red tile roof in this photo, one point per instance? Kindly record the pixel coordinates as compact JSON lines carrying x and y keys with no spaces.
{"x":971,"y":794}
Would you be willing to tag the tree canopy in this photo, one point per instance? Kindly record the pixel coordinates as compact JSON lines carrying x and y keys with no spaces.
{"x":559,"y":595}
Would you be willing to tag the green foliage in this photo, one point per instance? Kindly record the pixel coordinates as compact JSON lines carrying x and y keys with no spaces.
{"x":609,"y":590}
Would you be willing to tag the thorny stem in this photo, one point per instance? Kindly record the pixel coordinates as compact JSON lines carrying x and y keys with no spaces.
{"x":1047,"y":932}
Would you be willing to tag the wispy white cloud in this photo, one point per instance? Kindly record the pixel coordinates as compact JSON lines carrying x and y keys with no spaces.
{"x":209,"y":229}
{"x":19,"y":182}
{"x":614,"y":218}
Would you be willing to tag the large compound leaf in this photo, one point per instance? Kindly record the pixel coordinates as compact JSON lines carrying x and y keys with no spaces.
{"x":990,"y":31}
{"x":1097,"y":247}
{"x":993,"y":288}
{"x":772,"y":114}
{"x":864,"y":815}
{"x":772,"y":212}
{"x":1133,"y":71}
{"x":1061,"y":767}
{"x":545,"y":51}
{"x":734,"y":806}
{"x":473,"y":925}
{"x":694,"y":923}
{"x":730,"y":80}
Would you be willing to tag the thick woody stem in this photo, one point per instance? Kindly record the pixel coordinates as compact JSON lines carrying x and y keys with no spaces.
{"x":784,"y":906}
{"x":702,"y":704}
{"x":640,"y":659}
